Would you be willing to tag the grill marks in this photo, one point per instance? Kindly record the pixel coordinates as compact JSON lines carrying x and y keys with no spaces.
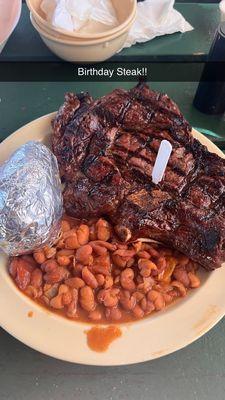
{"x":106,"y":150}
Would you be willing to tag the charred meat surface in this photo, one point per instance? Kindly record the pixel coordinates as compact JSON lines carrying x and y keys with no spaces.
{"x":106,"y":150}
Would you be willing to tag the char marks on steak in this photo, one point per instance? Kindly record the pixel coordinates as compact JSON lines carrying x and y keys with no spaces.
{"x":106,"y":150}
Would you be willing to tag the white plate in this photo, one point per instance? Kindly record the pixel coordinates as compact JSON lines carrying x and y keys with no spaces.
{"x":153,"y":337}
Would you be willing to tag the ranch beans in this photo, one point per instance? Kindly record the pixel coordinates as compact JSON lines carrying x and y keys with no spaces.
{"x":83,"y":234}
{"x":109,"y":297}
{"x":126,"y":279}
{"x":72,"y":307}
{"x":87,"y":299}
{"x":36,"y":278}
{"x":64,"y":261}
{"x":71,"y":242}
{"x":88,"y":275}
{"x":39,"y":257}
{"x":83,"y":254}
{"x":50,"y":252}
{"x":89,"y":278}
{"x":113,"y":314}
{"x":103,"y":230}
{"x":76,"y":283}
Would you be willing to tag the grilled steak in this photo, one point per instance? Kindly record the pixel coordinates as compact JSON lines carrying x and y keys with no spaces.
{"x":106,"y":150}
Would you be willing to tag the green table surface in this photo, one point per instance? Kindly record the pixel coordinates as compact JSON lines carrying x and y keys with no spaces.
{"x":26,"y":45}
{"x":194,"y":373}
{"x":23,"y":102}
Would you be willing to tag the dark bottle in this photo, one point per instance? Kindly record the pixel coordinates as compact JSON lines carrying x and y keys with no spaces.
{"x":210,"y":95}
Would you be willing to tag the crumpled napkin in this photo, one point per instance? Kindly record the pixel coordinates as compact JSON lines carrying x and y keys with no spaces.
{"x":72,"y":15}
{"x":156,"y":18}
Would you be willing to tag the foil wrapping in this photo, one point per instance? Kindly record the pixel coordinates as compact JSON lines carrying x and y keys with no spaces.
{"x":31,"y":204}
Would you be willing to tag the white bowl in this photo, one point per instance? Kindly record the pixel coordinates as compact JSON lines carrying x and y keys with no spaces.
{"x":10,"y":11}
{"x":83,"y":51}
{"x":160,"y":334}
{"x":125,"y":12}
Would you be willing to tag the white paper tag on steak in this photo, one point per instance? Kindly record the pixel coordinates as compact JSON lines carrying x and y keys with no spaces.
{"x":161,"y":161}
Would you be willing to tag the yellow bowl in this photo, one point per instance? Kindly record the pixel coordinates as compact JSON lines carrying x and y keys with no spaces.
{"x":83,"y":51}
{"x":125,"y":11}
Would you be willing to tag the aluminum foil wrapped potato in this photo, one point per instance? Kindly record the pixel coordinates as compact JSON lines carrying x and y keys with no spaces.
{"x":31,"y":203}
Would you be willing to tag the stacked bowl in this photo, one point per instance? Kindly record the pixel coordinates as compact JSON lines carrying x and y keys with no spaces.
{"x":87,"y":46}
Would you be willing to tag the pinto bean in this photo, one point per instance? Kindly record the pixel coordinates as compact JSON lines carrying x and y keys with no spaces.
{"x":161,"y":264}
{"x":32,"y":292}
{"x":108,"y":282}
{"x":64,"y":261}
{"x":168,"y":298}
{"x":143,"y":254}
{"x":124,"y":253}
{"x":100,"y":279}
{"x":57,"y":275}
{"x":51,"y":291}
{"x":152,"y":250}
{"x":60,"y":244}
{"x":138,"y":312}
{"x":103,"y":230}
{"x":57,"y":302}
{"x":194,"y":280}
{"x":23,"y":275}
{"x":183,"y":260}
{"x":181,"y":289}
{"x":113,"y":313}
{"x":102,"y":265}
{"x":71,"y":242}
{"x":65,"y":226}
{"x":138,"y":296}
{"x":137,"y":246}
{"x":49,"y":265}
{"x":86,"y":298}
{"x":149,"y":307}
{"x":157,"y":298}
{"x":99,"y":250}
{"x":92,"y":233}
{"x":127,"y":301}
{"x":39,"y":256}
{"x":95,"y":315}
{"x":63,"y":289}
{"x":75,"y":283}
{"x":181,"y":276}
{"x":146,"y":267}
{"x":145,"y":285}
{"x":65,"y":252}
{"x":83,"y":234}
{"x":50,"y":252}
{"x":77,"y":267}
{"x":126,"y":279}
{"x":66,"y":298}
{"x":14,"y":262}
{"x":72,"y":307}
{"x":107,"y":245}
{"x":83,"y":254}
{"x":36,"y":278}
{"x":109,"y":297}
{"x":89,"y":278}
{"x":131,"y":262}
{"x":119,"y":261}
